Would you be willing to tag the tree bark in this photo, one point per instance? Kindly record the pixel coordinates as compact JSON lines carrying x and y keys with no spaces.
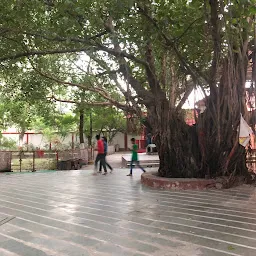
{"x":221,"y":154}
{"x":81,"y":126}
{"x":174,"y":140}
{"x":208,"y":149}
{"x":90,"y":136}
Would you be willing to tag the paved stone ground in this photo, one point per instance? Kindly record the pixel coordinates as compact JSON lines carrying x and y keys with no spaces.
{"x":77,"y":214}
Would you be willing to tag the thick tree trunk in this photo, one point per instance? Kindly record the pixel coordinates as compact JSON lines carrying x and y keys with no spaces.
{"x":21,"y":136}
{"x":218,"y":125}
{"x":174,"y":141}
{"x":210,"y":148}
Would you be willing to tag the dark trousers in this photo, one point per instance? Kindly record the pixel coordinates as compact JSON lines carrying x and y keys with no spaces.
{"x":138,"y":164}
{"x":107,"y":164}
{"x":101,"y":158}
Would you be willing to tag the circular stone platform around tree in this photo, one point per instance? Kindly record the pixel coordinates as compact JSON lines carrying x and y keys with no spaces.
{"x":151,"y":179}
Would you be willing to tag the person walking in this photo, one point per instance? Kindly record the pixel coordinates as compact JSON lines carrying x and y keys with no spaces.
{"x":100,"y":156}
{"x":149,"y":138}
{"x":135,"y":157}
{"x":105,"y":143}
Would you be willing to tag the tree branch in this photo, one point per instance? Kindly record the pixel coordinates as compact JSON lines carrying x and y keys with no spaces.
{"x":151,"y":71}
{"x":186,"y":30}
{"x":61,"y":100}
{"x":120,"y":53}
{"x":81,"y":103}
{"x":189,"y":89}
{"x":111,"y":72}
{"x":124,"y":67}
{"x":171,"y":43}
{"x":216,"y":45}
{"x":86,"y":40}
{"x":40,"y":53}
{"x":89,"y":41}
{"x":100,"y":91}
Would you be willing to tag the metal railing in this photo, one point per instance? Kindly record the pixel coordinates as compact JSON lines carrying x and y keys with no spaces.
{"x":24,"y":161}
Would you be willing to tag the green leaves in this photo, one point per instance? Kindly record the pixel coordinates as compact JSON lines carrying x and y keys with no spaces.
{"x":178,"y":31}
{"x":107,"y":121}
{"x":7,"y":143}
{"x":55,"y":123}
{"x":252,"y":10}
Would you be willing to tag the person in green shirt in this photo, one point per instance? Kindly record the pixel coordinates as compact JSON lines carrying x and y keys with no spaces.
{"x":135,"y":157}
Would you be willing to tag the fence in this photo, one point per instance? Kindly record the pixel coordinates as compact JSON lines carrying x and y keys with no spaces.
{"x":20,"y":161}
{"x":72,"y":159}
{"x":33,"y":161}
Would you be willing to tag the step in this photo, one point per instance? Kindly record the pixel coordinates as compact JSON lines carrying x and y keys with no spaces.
{"x":154,"y":164}
{"x":141,"y":164}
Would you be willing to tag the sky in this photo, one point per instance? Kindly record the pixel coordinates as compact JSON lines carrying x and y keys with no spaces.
{"x":194,"y":96}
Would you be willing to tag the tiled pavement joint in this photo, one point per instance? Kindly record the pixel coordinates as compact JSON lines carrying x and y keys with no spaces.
{"x":75,"y":213}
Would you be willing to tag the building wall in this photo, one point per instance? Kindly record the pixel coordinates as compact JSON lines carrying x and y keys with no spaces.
{"x":36,"y":140}
{"x":119,"y":139}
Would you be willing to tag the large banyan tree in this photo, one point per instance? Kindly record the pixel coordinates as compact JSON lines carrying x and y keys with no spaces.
{"x":148,"y":54}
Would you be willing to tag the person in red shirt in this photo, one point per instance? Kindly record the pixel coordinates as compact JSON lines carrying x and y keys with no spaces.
{"x":100,"y":156}
{"x":105,"y":143}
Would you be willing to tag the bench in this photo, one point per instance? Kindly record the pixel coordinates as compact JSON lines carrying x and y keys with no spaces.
{"x":70,"y":164}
